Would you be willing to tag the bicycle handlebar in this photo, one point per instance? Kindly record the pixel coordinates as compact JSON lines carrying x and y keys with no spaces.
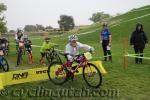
{"x":65,"y":54}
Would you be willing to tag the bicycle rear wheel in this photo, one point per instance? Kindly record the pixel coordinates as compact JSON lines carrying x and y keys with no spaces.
{"x":4,"y":65}
{"x":56,"y":73}
{"x":92,"y":75}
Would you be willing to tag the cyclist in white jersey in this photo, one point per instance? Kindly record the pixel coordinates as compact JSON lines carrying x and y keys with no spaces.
{"x":72,"y":48}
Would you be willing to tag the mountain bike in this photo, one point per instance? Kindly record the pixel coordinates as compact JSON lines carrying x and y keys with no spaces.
{"x":60,"y":73}
{"x":3,"y":62}
{"x":52,"y":55}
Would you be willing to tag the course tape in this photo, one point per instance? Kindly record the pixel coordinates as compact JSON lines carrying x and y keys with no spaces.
{"x":114,"y":54}
{"x":37,"y":46}
{"x":31,"y":45}
{"x":133,"y":56}
{"x":138,"y":54}
{"x":129,"y":55}
{"x":36,"y":74}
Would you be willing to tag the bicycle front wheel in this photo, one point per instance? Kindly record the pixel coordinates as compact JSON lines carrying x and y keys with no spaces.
{"x":56,"y":73}
{"x":92,"y":75}
{"x":4,"y":65}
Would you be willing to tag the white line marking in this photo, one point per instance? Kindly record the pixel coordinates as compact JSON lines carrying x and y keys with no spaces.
{"x":137,"y":57}
{"x":138,"y":10}
{"x":138,"y":17}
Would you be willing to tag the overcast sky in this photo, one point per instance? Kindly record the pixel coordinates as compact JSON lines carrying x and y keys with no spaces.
{"x":47,"y":12}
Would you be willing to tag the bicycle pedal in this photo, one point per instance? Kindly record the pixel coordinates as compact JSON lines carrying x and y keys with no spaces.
{"x":70,"y":78}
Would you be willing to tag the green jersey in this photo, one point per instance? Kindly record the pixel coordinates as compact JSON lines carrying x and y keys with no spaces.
{"x":46,"y":46}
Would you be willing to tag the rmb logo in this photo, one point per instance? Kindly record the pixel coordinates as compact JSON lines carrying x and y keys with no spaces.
{"x":19,"y":76}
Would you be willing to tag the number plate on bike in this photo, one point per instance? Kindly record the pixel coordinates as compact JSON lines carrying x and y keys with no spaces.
{"x":88,"y":55}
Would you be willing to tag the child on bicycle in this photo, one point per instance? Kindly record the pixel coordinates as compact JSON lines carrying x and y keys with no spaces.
{"x":28,"y":48}
{"x":73,"y":47}
{"x":46,"y":45}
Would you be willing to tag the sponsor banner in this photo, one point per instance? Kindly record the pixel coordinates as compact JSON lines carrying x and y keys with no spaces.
{"x":36,"y":74}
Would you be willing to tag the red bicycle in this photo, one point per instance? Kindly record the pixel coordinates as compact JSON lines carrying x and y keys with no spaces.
{"x":59,"y":73}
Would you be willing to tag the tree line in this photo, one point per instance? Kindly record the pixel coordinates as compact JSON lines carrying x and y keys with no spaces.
{"x":65,"y":22}
{"x":3,"y":27}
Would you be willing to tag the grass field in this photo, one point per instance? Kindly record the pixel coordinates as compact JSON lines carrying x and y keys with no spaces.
{"x":132,"y":83}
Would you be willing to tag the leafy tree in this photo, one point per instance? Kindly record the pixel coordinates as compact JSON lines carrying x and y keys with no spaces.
{"x":118,"y":14}
{"x":48,"y":27}
{"x":99,"y":16}
{"x":3,"y":27}
{"x":33,"y":28}
{"x":30,"y":28}
{"x":12,"y":31}
{"x":66,"y":22}
{"x":39,"y":27}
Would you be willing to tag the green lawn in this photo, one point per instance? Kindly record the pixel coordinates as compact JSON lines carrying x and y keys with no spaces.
{"x":132,"y":83}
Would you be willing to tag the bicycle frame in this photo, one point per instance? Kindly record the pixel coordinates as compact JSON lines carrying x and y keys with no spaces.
{"x":81,"y":62}
{"x":51,"y":50}
{"x":52,"y":54}
{"x":66,"y":71}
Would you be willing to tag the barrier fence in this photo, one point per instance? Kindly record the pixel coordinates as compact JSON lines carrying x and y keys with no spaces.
{"x":35,"y":74}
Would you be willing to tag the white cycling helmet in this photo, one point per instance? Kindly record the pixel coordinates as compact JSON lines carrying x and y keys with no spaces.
{"x":73,"y":37}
